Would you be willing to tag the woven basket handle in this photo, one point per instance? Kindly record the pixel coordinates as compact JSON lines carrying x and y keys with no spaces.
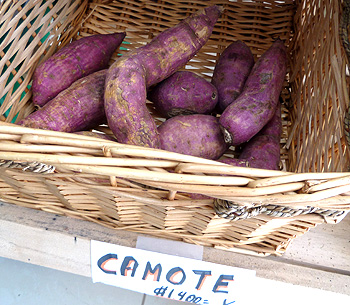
{"x":229,"y":210}
{"x":35,"y":167}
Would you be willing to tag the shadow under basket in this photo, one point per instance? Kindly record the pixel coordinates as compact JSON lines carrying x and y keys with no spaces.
{"x":172,"y":195}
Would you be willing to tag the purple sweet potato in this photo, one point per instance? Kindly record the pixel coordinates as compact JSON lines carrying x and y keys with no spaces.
{"x":256,"y":104}
{"x":231,"y":72}
{"x":184,"y":92}
{"x":263,"y":150}
{"x":129,"y":78}
{"x":79,"y":107}
{"x":274,"y":126}
{"x":195,"y":134}
{"x":74,"y":61}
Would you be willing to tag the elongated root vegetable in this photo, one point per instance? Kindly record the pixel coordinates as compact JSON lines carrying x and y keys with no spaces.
{"x":184,"y":92}
{"x":231,"y":72}
{"x":79,"y":107}
{"x":195,"y":134}
{"x":263,"y":150}
{"x":74,"y":61}
{"x":256,"y":104}
{"x":130,"y":76}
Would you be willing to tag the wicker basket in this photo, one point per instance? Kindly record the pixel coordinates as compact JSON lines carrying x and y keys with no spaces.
{"x":172,"y":195}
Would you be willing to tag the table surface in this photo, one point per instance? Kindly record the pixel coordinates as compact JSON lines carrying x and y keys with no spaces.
{"x":318,"y":259}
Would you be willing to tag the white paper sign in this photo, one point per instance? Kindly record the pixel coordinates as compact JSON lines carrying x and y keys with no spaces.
{"x":169,"y":276}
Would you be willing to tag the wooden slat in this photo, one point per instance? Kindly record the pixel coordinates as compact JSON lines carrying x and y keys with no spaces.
{"x":63,"y":243}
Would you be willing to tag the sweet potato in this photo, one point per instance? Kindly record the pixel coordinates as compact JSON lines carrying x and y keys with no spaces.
{"x":74,"y":61}
{"x":231,"y":72}
{"x":195,"y":134}
{"x":184,"y":92}
{"x":263,"y":150}
{"x":129,"y":78}
{"x":79,"y":107}
{"x":256,"y":104}
{"x":274,"y":126}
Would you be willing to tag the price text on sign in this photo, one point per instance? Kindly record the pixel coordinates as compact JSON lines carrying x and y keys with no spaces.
{"x":169,"y":276}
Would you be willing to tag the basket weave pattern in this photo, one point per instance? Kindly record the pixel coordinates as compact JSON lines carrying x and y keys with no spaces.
{"x":172,"y":195}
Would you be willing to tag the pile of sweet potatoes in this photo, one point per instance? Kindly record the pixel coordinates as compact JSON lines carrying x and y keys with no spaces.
{"x":75,"y":90}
